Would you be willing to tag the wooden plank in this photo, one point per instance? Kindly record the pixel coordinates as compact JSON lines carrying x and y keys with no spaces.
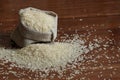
{"x":64,"y":8}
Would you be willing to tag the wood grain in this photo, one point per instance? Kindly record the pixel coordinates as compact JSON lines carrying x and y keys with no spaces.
{"x":82,"y":15}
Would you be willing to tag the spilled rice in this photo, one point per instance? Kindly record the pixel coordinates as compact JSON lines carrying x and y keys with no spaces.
{"x":58,"y":57}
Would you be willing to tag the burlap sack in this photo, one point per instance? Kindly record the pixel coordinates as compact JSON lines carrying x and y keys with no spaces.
{"x":24,"y":36}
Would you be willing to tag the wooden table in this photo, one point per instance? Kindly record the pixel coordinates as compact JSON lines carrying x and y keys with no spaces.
{"x":101,"y":18}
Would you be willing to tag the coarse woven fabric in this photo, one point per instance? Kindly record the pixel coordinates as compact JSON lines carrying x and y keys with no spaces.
{"x":19,"y":39}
